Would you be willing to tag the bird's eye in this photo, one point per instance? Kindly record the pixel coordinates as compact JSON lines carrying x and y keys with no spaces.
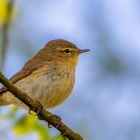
{"x":67,"y":51}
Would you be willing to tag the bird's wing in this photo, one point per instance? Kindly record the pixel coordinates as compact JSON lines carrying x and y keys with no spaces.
{"x":24,"y":72}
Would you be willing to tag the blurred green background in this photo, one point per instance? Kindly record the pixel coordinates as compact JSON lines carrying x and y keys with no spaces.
{"x":105,"y":104}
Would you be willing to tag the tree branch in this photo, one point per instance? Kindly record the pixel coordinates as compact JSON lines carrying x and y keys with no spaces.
{"x":42,"y":112}
{"x":5,"y":27}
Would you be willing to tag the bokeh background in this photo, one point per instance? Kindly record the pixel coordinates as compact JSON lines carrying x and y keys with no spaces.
{"x":105,"y":104}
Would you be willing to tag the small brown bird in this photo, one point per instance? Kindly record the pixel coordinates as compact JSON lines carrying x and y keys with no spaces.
{"x":48,"y":77}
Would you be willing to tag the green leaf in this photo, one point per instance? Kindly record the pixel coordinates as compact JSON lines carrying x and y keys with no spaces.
{"x":29,"y":123}
{"x":60,"y":137}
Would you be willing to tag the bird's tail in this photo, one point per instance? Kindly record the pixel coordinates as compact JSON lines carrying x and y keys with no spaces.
{"x":7,"y":98}
{"x":2,"y":90}
{"x":2,"y":100}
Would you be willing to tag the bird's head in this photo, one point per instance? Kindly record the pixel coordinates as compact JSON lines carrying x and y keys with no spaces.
{"x":63,"y":51}
{"x":59,"y":51}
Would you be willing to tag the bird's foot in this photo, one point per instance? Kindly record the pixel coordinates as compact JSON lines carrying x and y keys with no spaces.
{"x":58,"y":120}
{"x":36,"y":108}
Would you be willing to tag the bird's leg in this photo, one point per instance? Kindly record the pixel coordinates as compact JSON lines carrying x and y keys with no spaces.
{"x":49,"y":125}
{"x":58,"y":119}
{"x":63,"y":134}
{"x":36,"y":108}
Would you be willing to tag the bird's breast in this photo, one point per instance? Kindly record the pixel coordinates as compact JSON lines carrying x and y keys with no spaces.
{"x":50,"y":87}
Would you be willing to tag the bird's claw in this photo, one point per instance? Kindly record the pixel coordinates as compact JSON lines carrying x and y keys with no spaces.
{"x":58,"y":119}
{"x":36,"y":108}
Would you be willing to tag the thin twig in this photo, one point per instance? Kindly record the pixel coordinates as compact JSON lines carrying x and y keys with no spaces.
{"x":42,"y":112}
{"x":4,"y":35}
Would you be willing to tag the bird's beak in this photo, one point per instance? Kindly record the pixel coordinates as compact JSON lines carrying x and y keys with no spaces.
{"x":83,"y":51}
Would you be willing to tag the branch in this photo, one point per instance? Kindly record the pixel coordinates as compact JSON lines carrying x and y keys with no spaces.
{"x":5,"y":27}
{"x":42,"y":112}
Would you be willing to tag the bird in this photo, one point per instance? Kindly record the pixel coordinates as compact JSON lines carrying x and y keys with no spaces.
{"x":48,"y":77}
